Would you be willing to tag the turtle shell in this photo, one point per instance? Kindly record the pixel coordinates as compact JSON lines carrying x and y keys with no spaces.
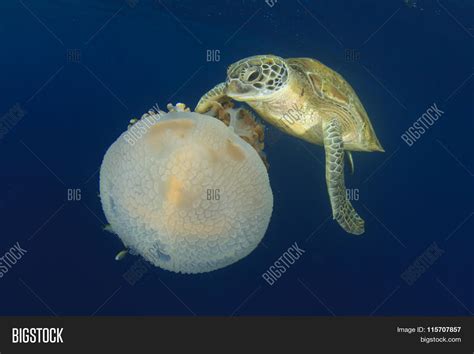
{"x":334,"y":94}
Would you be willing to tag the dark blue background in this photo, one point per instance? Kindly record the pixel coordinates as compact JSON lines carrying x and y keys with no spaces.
{"x":132,"y":57}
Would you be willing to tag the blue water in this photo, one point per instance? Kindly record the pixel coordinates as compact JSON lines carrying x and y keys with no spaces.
{"x":82,"y":69}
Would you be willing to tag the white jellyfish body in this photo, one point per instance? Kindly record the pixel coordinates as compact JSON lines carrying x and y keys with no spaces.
{"x":189,"y":195}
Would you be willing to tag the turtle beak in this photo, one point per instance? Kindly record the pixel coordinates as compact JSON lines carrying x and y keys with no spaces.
{"x":231,"y":87}
{"x":235,"y":89}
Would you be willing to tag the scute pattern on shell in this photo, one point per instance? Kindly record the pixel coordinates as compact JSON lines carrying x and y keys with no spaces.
{"x":334,"y":96}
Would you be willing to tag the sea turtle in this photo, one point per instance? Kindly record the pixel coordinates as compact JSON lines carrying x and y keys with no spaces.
{"x":308,"y":100}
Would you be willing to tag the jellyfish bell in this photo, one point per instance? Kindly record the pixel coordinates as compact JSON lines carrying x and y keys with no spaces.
{"x":189,"y":195}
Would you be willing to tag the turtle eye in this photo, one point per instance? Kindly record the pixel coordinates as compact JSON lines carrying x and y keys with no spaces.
{"x":252,"y":75}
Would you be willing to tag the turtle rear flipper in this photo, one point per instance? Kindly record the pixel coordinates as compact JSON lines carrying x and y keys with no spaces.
{"x":342,"y":210}
{"x":211,"y":98}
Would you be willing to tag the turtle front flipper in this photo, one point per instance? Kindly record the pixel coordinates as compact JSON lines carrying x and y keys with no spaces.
{"x":211,"y":98}
{"x":342,"y":210}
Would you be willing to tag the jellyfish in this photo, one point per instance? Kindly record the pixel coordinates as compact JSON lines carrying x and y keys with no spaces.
{"x":244,"y":124}
{"x":185,"y":191}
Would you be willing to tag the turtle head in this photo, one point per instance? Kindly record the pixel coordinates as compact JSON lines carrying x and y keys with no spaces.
{"x":256,"y":78}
